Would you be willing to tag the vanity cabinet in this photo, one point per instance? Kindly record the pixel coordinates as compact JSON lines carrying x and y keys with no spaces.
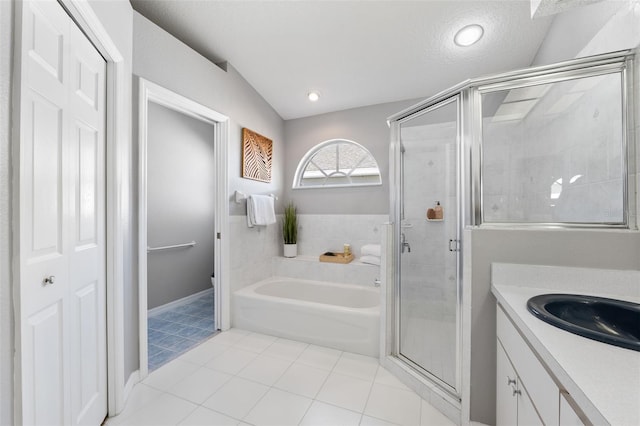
{"x":525,"y":393}
{"x":513,"y":404}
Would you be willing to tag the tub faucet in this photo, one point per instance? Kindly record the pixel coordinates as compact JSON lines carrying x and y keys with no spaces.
{"x":404,"y":244}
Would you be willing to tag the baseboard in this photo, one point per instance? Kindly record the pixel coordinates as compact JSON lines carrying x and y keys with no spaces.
{"x":171,"y":305}
{"x":134,"y":378}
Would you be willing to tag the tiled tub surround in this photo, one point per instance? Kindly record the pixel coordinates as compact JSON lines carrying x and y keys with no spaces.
{"x":339,"y":316}
{"x":309,"y":267}
{"x":303,"y":320}
{"x":242,"y":378}
{"x":329,"y":232}
{"x":174,"y":331}
{"x":252,"y":251}
{"x":602,"y":379}
{"x":256,"y":253}
{"x":321,"y":233}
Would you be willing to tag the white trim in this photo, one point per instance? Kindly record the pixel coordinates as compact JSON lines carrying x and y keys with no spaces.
{"x":86,"y":19}
{"x":16,"y":118}
{"x":174,"y":304}
{"x":118,"y":184}
{"x":301,"y":170}
{"x":134,"y":378}
{"x":151,"y":92}
{"x":467,"y":293}
{"x":222,"y":264}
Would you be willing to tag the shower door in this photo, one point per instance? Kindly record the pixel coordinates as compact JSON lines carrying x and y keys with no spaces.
{"x":427,"y":295}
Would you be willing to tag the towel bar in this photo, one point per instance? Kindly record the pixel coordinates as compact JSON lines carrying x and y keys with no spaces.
{"x":189,"y":244}
{"x":239,"y":196}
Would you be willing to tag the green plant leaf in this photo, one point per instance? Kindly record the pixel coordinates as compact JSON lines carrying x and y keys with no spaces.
{"x":290,"y":224}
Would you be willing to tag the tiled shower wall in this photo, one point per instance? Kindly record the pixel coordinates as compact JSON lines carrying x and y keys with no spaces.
{"x":429,"y":269}
{"x":579,"y":144}
{"x":252,"y":249}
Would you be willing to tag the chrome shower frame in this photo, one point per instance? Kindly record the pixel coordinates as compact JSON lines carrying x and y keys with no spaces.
{"x":470,"y":209}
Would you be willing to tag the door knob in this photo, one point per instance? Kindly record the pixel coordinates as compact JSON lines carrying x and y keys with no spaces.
{"x":49,"y":280}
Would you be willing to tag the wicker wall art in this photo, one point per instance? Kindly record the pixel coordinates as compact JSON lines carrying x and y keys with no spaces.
{"x":257,"y":156}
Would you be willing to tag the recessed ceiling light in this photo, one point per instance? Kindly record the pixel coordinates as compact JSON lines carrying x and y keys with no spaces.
{"x":468,"y":35}
{"x":313,"y":96}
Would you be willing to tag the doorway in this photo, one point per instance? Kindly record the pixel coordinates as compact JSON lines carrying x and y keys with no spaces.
{"x":180,"y":233}
{"x":428,"y":278}
{"x":424,"y":298}
{"x":182,"y":215}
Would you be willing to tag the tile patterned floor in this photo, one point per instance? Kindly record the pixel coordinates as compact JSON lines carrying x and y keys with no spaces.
{"x":243,"y":378}
{"x":173,"y":332}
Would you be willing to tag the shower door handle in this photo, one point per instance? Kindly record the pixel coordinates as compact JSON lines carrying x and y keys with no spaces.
{"x":404,"y":244}
{"x":454,"y":245}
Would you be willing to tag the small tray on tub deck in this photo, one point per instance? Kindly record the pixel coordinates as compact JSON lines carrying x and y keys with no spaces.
{"x":336,"y":257}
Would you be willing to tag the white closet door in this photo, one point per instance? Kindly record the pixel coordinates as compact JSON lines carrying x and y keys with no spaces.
{"x":61,"y":334}
{"x":87,"y":280}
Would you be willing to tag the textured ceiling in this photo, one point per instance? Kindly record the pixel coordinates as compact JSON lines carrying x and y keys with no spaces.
{"x":354,"y":53}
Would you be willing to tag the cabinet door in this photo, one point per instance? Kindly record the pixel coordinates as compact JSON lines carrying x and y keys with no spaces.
{"x":531,"y":373}
{"x":527,"y":415}
{"x":506,"y":401}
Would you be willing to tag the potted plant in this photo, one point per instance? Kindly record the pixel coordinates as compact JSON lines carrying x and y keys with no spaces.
{"x":290,"y":231}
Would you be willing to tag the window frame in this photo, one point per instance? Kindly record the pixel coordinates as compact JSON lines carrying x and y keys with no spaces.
{"x":307,"y":159}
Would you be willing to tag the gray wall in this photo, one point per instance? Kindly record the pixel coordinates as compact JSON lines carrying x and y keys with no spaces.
{"x":579,"y":248}
{"x":368,"y":127}
{"x":180,"y":204}
{"x":164,"y":60}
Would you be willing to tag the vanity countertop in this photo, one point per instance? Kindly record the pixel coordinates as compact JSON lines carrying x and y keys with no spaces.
{"x":604,"y":380}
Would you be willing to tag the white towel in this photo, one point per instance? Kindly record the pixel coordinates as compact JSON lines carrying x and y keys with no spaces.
{"x":371,"y":250}
{"x":373,"y":260}
{"x":260,"y":210}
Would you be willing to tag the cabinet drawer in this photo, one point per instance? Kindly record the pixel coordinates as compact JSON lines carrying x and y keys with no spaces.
{"x":535,"y":379}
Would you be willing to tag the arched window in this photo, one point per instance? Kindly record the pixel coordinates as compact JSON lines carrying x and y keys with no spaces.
{"x":337,"y":162}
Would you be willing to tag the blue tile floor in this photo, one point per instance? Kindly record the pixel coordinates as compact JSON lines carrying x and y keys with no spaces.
{"x":175,"y":331}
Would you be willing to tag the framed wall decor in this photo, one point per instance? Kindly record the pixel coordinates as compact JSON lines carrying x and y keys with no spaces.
{"x":257,"y":156}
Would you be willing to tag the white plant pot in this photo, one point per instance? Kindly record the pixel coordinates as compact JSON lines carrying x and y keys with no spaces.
{"x":290,"y":250}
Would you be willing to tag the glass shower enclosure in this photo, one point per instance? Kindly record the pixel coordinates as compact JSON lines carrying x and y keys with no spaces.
{"x":429,"y":236}
{"x":542,"y":147}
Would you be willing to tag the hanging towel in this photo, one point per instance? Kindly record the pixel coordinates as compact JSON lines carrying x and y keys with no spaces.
{"x":371,"y":250}
{"x":260,"y":210}
{"x":373,"y":260}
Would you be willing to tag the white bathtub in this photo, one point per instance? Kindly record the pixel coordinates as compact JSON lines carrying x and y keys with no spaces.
{"x":340,"y":316}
